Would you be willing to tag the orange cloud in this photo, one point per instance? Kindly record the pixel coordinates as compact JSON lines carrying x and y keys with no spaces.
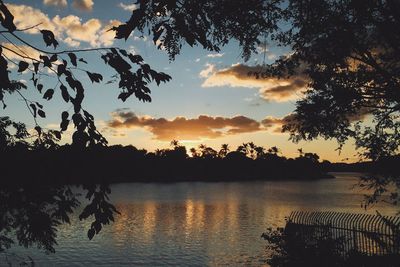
{"x":21,"y":49}
{"x":84,"y":5}
{"x":275,"y":124}
{"x":270,"y":88}
{"x":182,"y":128}
{"x":27,"y":16}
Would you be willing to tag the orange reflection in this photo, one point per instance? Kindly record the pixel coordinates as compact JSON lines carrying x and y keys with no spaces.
{"x":149,"y":220}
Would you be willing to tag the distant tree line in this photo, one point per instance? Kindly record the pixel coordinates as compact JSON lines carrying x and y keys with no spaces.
{"x":43,"y":159}
{"x":47,"y":161}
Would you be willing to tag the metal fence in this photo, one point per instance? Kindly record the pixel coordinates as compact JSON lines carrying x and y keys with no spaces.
{"x":372,"y":235}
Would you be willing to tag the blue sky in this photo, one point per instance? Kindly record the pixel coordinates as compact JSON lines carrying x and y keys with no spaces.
{"x":238,"y":108}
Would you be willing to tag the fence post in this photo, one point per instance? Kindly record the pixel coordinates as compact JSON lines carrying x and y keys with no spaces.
{"x":355,"y":244}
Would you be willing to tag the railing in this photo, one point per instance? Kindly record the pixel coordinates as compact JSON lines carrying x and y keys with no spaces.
{"x":366,"y":234}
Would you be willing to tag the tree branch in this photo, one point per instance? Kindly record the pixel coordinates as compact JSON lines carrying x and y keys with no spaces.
{"x":60,"y":52}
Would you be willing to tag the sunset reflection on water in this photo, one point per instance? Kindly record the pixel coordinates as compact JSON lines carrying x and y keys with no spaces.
{"x":198,"y":224}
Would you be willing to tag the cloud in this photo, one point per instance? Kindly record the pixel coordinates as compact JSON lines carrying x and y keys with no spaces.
{"x":20,"y":49}
{"x":270,"y":88}
{"x":210,"y":68}
{"x":92,"y":31}
{"x":182,"y":128}
{"x":26,"y":16}
{"x":77,"y":31}
{"x":84,"y":5}
{"x":275,"y":124}
{"x":215,"y":55}
{"x":59,"y":3}
{"x":69,"y":41}
{"x":128,"y":7}
{"x":69,"y":29}
{"x":284,"y":91}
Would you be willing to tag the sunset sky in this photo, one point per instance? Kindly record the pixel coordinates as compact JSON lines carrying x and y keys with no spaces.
{"x":210,"y":100}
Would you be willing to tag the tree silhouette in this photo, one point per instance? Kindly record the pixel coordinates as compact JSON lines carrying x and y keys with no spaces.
{"x":131,"y":72}
{"x":223,"y":151}
{"x":348,"y":50}
{"x":29,"y":212}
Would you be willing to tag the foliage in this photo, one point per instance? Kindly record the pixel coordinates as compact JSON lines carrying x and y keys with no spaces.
{"x":289,"y":248}
{"x":211,"y":23}
{"x":131,"y":72}
{"x":351,"y":59}
{"x":31,"y":213}
{"x":348,"y":50}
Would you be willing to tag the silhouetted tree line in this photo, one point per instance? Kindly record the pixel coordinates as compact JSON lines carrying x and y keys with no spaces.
{"x":43,"y":160}
{"x":70,"y":164}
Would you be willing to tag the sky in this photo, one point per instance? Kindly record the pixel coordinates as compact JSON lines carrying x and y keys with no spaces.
{"x":210,"y":100}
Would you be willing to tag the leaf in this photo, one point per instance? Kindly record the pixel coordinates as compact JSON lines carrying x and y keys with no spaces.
{"x":8,"y":20}
{"x":95,"y":77}
{"x":57,"y":134}
{"x":53,"y":58}
{"x":64,"y":93}
{"x":34,"y":79}
{"x":22,"y":65}
{"x":64,"y":125}
{"x":90,"y":233}
{"x":124,"y":95}
{"x":46,"y":61}
{"x":61,"y":69}
{"x":36,"y":67}
{"x":72,"y":57}
{"x":122,"y":31}
{"x":38,"y":130}
{"x":64,"y":115}
{"x":161,"y":77}
{"x":48,"y":94}
{"x":49,"y":39}
{"x":123,"y":52}
{"x":41,"y":113}
{"x":135,"y":58}
{"x":40,"y":87}
{"x":97,"y":227}
{"x":157,"y":34}
{"x":38,"y":105}
{"x":125,"y":30}
{"x":77,"y":119}
{"x":33,"y":109}
{"x":88,"y":115}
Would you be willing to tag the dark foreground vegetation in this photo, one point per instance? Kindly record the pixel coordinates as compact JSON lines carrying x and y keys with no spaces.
{"x":289,"y":248}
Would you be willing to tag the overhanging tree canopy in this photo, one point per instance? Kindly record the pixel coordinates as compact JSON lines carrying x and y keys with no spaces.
{"x":348,"y":49}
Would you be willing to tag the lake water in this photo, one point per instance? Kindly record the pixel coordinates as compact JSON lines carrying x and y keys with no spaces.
{"x":197,"y":224}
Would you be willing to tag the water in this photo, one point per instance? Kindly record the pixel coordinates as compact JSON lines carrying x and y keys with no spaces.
{"x":197,"y":224}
